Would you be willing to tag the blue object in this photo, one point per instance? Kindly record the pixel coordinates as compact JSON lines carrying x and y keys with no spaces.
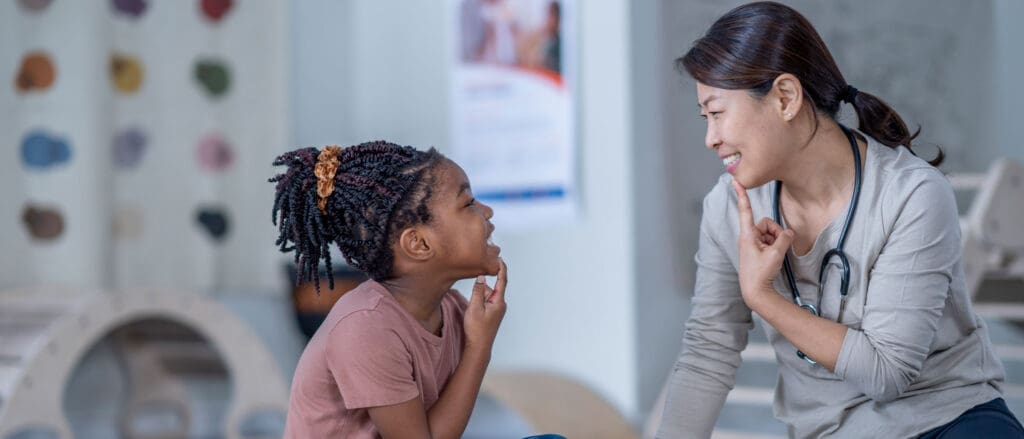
{"x":40,"y":150}
{"x":991,"y":419}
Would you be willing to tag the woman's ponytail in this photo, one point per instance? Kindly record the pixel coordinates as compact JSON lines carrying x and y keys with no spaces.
{"x":880,"y":121}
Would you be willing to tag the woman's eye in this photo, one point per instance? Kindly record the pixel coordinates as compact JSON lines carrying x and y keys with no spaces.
{"x":471,"y":202}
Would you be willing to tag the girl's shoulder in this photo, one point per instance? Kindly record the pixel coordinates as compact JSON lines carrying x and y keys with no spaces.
{"x":365,"y":305}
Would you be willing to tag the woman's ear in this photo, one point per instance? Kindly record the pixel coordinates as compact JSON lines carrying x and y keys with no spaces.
{"x":415,"y":244}
{"x":787,"y":96}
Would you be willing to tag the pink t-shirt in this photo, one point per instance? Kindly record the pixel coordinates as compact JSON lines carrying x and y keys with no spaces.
{"x":370,"y":352}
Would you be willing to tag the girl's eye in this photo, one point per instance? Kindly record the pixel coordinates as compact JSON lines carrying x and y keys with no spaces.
{"x":471,"y":202}
{"x":714,"y":115}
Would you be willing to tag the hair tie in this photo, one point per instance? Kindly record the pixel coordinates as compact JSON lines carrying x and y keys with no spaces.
{"x":849,"y":94}
{"x":326,"y":166}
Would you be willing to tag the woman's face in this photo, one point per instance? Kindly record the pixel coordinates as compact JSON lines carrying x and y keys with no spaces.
{"x":750,"y":135}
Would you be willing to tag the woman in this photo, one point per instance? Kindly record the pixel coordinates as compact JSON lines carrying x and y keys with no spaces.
{"x":846,"y":245}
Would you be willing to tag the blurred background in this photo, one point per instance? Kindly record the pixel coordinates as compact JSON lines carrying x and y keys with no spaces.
{"x":142,"y":294}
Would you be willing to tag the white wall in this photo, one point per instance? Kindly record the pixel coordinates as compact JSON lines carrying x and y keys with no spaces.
{"x":320,"y":80}
{"x":659,"y":228}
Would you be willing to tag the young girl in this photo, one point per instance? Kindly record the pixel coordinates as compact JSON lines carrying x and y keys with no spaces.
{"x":403,"y":354}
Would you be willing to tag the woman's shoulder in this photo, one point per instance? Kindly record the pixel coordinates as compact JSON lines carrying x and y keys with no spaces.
{"x":908,"y":185}
{"x":901,"y":173}
{"x":901,"y":165}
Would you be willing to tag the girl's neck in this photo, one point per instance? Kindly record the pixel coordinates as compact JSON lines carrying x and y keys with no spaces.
{"x":419,"y":295}
{"x":821,"y":173}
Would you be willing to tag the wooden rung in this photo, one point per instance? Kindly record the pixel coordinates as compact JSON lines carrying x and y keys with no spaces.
{"x":1000,"y":310}
{"x":751,"y":395}
{"x":758,"y":351}
{"x":732,"y":434}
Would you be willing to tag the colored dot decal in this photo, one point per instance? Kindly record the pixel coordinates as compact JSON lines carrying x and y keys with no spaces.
{"x":127,"y":223}
{"x":129,"y":146}
{"x":40,"y":150}
{"x":126,"y":72}
{"x":215,"y":10}
{"x":214,"y":153}
{"x":214,"y":221}
{"x":42,"y":223}
{"x":131,"y":8}
{"x":36,"y":73}
{"x":213,"y":76}
{"x":35,"y":5}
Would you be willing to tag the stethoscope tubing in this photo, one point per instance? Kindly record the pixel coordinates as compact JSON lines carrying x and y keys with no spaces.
{"x":836,"y":251}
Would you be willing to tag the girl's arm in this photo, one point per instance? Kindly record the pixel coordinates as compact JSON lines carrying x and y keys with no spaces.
{"x":449,"y":416}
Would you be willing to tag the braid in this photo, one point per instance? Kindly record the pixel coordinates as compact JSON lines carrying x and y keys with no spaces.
{"x":380,"y":188}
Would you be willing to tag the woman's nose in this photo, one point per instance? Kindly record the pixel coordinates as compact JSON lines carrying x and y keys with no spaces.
{"x":711,"y":139}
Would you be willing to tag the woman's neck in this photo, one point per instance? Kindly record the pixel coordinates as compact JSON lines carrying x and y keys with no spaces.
{"x":822,"y":173}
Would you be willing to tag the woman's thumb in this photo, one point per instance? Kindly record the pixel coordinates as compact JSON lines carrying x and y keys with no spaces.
{"x":783,"y":241}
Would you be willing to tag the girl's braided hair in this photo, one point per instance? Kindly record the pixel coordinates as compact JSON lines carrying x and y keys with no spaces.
{"x":360,"y":197}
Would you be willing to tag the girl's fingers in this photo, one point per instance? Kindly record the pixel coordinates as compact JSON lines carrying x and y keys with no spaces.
{"x":480,"y":291}
{"x":501,"y":283}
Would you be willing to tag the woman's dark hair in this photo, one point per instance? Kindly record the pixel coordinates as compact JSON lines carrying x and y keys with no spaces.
{"x":379,"y":189}
{"x":751,"y":45}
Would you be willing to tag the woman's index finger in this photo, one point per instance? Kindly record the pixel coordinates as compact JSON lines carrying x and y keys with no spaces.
{"x":743,"y":205}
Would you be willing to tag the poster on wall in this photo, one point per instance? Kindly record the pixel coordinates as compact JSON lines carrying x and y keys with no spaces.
{"x":513,"y":124}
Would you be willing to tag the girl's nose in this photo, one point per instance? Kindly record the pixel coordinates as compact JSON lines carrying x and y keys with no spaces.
{"x":488,"y":212}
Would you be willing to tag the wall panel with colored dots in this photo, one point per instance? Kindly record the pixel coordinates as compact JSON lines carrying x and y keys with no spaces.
{"x":139,"y":148}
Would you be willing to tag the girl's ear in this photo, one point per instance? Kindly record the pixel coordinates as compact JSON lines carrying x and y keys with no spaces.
{"x":415,"y":244}
{"x":787,"y":96}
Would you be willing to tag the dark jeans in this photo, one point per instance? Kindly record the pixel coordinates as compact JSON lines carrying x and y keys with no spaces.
{"x":991,"y":419}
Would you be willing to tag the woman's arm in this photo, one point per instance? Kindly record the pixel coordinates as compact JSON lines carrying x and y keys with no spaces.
{"x":715,"y":334}
{"x":909,"y":286}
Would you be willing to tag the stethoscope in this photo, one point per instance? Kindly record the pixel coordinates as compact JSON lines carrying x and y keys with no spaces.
{"x":837,"y":251}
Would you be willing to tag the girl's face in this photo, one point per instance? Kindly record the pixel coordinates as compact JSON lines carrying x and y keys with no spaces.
{"x":747,"y":133}
{"x":461,"y":225}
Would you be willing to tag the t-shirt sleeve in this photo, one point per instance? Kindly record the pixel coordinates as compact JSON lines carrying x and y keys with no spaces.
{"x":908,"y":288}
{"x":370,"y":363}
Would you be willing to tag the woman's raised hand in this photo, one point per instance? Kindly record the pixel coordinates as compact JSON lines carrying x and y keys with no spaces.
{"x":762,"y":248}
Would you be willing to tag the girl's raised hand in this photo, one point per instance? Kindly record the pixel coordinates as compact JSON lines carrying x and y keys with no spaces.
{"x":762,"y":248}
{"x":485,"y":311}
